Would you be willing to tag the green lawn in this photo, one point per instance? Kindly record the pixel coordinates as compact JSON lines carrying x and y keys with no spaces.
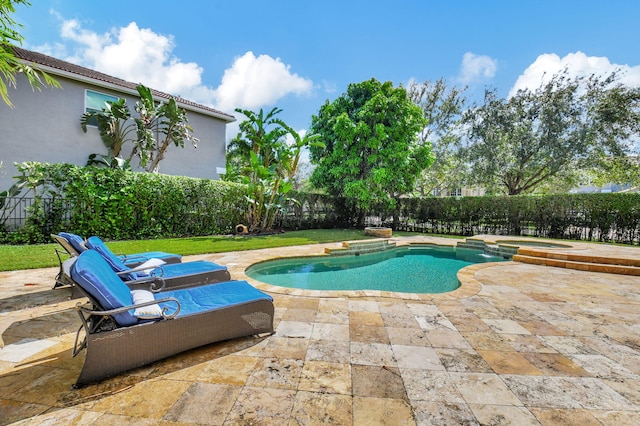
{"x":14,"y":257}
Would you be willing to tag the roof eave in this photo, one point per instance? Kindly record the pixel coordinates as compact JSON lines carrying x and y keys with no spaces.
{"x":122,"y":89}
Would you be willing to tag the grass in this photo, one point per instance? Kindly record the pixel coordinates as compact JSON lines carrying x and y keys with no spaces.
{"x":16,"y":257}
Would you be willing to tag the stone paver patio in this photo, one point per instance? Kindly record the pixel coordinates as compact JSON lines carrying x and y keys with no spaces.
{"x":517,"y":344}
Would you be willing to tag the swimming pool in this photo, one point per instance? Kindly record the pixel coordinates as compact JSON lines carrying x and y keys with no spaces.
{"x":423,"y":269}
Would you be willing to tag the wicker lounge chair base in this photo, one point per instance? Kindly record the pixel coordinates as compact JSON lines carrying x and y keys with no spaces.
{"x":109,"y":353}
{"x":117,"y":339}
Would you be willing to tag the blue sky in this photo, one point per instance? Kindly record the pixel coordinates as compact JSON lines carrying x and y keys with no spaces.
{"x":297,"y":54}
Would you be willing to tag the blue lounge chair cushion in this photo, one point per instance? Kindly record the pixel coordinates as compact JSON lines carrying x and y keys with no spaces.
{"x":95,"y":243}
{"x":168,"y":271}
{"x":213,"y":296}
{"x":76,"y":241}
{"x":137,"y":258}
{"x":95,"y":276}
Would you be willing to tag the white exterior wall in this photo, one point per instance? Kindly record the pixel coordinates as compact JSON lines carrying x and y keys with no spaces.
{"x":44,"y":126}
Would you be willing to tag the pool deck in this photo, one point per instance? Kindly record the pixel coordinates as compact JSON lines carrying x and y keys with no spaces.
{"x":518,"y":343}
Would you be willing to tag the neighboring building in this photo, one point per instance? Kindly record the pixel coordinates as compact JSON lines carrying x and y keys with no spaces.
{"x":458,"y":192}
{"x":609,"y":187}
{"x":44,"y":125}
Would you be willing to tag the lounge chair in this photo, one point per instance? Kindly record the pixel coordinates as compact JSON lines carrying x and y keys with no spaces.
{"x":75,"y":244}
{"x":174,"y":276}
{"x":120,"y":334}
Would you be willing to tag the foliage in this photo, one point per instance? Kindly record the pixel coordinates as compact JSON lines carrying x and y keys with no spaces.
{"x":606,"y":217}
{"x":568,"y":124}
{"x":442,"y":107}
{"x":260,"y":157}
{"x":372,"y":155}
{"x":624,"y":170}
{"x":10,"y":65}
{"x":120,"y":204}
{"x":157,"y":126}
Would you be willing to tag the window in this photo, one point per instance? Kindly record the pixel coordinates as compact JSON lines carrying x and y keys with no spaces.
{"x":455,"y":192}
{"x":95,"y":101}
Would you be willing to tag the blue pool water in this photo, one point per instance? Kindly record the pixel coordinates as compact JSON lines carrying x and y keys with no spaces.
{"x":425,"y":269}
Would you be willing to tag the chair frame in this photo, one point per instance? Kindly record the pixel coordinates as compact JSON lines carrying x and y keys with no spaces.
{"x":111,"y":349}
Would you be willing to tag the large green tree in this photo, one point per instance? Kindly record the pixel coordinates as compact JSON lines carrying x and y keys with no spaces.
{"x":515,"y":145}
{"x":371,"y":154}
{"x":10,"y":65}
{"x":442,"y":106}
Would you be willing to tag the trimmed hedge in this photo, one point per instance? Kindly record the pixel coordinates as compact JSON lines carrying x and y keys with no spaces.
{"x":610,"y":217}
{"x":117,"y":204}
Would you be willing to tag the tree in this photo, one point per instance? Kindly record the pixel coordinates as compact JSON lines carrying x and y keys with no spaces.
{"x":442,"y":107}
{"x":10,"y":65}
{"x":157,"y":126}
{"x":372,"y":154}
{"x":566,"y":125}
{"x":261,"y":158}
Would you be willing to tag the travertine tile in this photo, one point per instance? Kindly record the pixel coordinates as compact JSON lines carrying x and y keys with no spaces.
{"x":372,"y":354}
{"x":508,"y":362}
{"x":381,"y":411}
{"x":204,"y":403}
{"x":417,"y":357}
{"x":556,"y":416}
{"x":276,"y":373}
{"x":262,"y":406}
{"x":325,"y":331}
{"x":488,"y":414}
{"x":326,"y":377}
{"x":462,"y":360}
{"x":329,"y":351}
{"x":483,"y":388}
{"x":430,"y":385}
{"x":312,"y":408}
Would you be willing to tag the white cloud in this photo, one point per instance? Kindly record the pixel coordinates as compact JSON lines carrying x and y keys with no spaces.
{"x":142,"y":56}
{"x":477,"y":67}
{"x":134,"y":54}
{"x":253,"y":81}
{"x":577,"y":64}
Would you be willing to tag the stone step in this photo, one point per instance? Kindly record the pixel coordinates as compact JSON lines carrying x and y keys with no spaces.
{"x":576,"y":257}
{"x":579,"y":265}
{"x":360,"y":247}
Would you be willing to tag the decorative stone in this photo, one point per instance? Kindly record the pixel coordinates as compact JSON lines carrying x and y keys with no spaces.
{"x":378,"y":231}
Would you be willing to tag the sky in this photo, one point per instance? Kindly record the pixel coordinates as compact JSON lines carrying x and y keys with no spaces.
{"x":297,"y":54}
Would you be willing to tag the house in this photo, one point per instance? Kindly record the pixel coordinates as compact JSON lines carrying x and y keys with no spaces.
{"x":44,"y":125}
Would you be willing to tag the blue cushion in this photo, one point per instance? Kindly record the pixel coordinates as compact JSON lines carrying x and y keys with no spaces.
{"x":173,"y":270}
{"x":213,"y":296}
{"x":168,"y":271}
{"x":95,"y":243}
{"x":136,"y":258}
{"x":76,"y":241}
{"x":95,"y":276}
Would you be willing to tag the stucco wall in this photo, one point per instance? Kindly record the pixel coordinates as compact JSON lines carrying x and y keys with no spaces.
{"x":44,"y":126}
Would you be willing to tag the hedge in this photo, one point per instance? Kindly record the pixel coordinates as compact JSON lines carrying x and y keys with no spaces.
{"x":117,"y":204}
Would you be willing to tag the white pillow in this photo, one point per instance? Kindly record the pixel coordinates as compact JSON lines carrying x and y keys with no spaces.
{"x":145,"y":312}
{"x":148,"y":266}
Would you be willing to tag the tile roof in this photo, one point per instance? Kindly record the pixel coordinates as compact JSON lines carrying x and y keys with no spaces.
{"x":69,"y":68}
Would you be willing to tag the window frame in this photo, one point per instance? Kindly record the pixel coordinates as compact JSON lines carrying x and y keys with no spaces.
{"x":105,"y":98}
